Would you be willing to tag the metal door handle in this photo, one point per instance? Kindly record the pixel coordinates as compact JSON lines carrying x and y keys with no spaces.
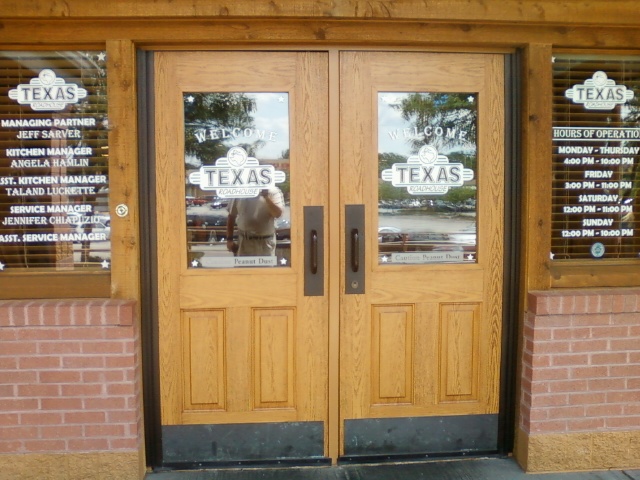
{"x":313,"y":253}
{"x":354,"y":246}
{"x":355,"y":250}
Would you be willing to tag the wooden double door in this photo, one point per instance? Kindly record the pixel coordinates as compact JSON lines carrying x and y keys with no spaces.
{"x":377,"y":328}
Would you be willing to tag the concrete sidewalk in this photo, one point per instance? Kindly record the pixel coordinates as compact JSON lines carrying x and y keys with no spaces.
{"x":468,"y":469}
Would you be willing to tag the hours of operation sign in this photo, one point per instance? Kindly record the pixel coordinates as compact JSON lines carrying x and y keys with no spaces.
{"x":596,"y":147}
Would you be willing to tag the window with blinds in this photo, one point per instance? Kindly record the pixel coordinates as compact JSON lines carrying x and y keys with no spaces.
{"x":596,"y":158}
{"x":54,"y":176}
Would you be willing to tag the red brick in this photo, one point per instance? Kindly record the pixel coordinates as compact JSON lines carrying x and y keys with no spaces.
{"x":44,"y":333}
{"x":622,"y":397}
{"x":585,"y":424}
{"x":123,"y":443}
{"x":589,"y":346}
{"x":83,"y":333}
{"x":8,"y":363}
{"x":7,"y":391}
{"x":105,"y":376}
{"x":61,"y":403}
{"x":84,"y":417}
{"x":580,"y":304}
{"x":15,"y":404}
{"x":551,"y":347}
{"x":102,"y":347}
{"x":88,"y":444}
{"x":45,"y":445}
{"x":568,"y":386}
{"x":631,"y":409}
{"x":38,"y":390}
{"x":610,"y":331}
{"x":104,"y":430}
{"x":589,"y":372}
{"x":590,"y":320}
{"x":121,"y":389}
{"x":58,"y":348}
{"x":570,"y":359}
{"x":541,"y":361}
{"x":571,"y":411}
{"x":120,"y":361}
{"x":7,"y":334}
{"x":633,"y":384}
{"x":106,"y":403}
{"x":59,"y":377}
{"x":13,"y":446}
{"x":625,"y":422}
{"x":123,"y":416}
{"x":550,"y":374}
{"x":82,"y":389}
{"x":9,"y":419}
{"x":626,"y":319}
{"x":551,"y":400}
{"x":41,"y":418}
{"x":626,"y":344}
{"x":624,"y":370}
{"x":607,"y":410}
{"x":39,"y":362}
{"x":83,"y":361}
{"x":550,"y":426}
{"x":609,"y":358}
{"x":606,"y":384}
{"x":19,"y":433}
{"x":587,"y":398}
{"x":18,"y":348}
{"x":62,"y":431}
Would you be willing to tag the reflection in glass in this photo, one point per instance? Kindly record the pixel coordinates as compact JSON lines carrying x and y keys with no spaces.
{"x":427,"y":164}
{"x":237,"y":182}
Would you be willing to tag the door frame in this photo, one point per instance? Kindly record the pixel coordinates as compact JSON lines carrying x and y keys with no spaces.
{"x":148,"y":263}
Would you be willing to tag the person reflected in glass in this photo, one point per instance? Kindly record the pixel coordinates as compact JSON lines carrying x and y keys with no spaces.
{"x":255,"y":218}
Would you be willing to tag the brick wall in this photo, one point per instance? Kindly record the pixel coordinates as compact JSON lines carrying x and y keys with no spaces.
{"x":69,"y":377}
{"x":581,"y":370}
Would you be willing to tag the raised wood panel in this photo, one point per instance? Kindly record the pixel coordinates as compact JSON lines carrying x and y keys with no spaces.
{"x":273,"y":356}
{"x":392,"y":354}
{"x":204,"y":359}
{"x":459,"y":352}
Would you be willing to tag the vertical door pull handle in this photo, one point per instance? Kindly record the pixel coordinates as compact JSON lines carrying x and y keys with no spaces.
{"x":313,"y":254}
{"x":313,"y":251}
{"x":355,"y":250}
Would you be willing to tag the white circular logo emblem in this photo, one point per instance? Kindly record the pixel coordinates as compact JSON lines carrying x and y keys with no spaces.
{"x":428,"y":154}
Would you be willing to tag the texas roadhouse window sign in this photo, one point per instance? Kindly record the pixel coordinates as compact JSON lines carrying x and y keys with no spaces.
{"x":427,"y":173}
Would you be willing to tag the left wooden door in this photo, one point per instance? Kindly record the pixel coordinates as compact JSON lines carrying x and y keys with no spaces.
{"x":241,"y":348}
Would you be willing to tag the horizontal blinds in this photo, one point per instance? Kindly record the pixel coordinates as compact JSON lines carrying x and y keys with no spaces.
{"x":596,"y":165}
{"x":54,"y":162}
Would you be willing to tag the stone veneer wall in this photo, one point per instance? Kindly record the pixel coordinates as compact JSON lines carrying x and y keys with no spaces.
{"x":580,"y":382}
{"x":70,"y":390}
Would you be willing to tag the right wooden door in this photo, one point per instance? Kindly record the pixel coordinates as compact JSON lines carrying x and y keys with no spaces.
{"x":422,"y":182}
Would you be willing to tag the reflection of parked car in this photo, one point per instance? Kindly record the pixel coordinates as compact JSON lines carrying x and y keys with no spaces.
{"x":206,"y":228}
{"x":389,"y":234}
{"x":283,"y":229}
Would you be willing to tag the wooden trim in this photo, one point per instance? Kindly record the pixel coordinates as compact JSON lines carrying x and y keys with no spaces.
{"x":536,"y":147}
{"x":205,"y":33}
{"x":613,"y":12}
{"x":56,"y":285}
{"x":123,"y":168}
{"x":595,"y":274}
{"x":334,"y":434}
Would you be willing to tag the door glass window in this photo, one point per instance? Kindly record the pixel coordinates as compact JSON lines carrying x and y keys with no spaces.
{"x":237,"y":179}
{"x":427,"y":165}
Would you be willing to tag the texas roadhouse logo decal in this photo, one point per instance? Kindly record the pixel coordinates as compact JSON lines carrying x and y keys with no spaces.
{"x":427,"y":173}
{"x":599,"y":93}
{"x":237,"y":175}
{"x":47,"y":92}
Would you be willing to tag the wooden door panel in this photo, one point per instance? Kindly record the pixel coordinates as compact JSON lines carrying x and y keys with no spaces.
{"x":235,"y":344}
{"x":423,"y":340}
